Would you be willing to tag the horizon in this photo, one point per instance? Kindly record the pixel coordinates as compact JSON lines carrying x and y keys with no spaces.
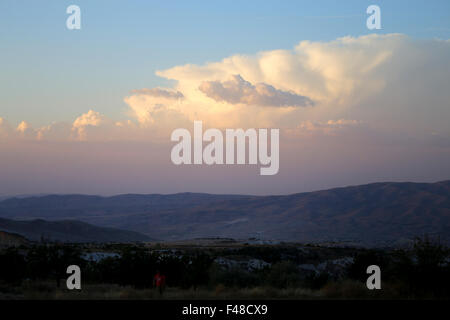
{"x":23,"y":196}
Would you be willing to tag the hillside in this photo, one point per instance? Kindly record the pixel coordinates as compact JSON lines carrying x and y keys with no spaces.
{"x":11,"y":239}
{"x":378,"y":213}
{"x":67,"y":231}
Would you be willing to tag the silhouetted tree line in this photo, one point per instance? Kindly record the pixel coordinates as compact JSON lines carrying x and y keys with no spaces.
{"x":133,"y":266}
{"x":137,"y":266}
{"x":38,"y":262}
{"x":423,"y":271}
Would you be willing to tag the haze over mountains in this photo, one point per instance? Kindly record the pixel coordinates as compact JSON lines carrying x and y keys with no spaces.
{"x":372,"y":214}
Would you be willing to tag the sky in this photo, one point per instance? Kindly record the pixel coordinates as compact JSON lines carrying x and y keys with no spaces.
{"x":92,"y":110}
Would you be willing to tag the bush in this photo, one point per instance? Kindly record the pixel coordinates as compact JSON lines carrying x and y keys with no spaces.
{"x":12,"y":266}
{"x":283,"y":275}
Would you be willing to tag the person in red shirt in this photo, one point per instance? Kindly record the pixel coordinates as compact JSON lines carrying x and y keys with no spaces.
{"x":159,"y":281}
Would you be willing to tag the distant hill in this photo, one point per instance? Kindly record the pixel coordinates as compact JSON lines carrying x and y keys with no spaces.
{"x":66,"y":231}
{"x":374,"y":214}
{"x":11,"y":239}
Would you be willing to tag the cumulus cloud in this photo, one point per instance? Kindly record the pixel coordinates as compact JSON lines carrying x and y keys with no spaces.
{"x":25,"y":130}
{"x":329,"y":72}
{"x":238,"y":91}
{"x":148,"y":104}
{"x":391,"y":82}
{"x":85,"y":122}
{"x":23,"y":127}
{"x":336,"y":76}
{"x":91,"y":118}
{"x":55,"y":131}
{"x":158,"y":92}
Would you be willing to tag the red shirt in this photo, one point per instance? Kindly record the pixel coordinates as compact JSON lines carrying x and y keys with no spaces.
{"x":159,"y":279}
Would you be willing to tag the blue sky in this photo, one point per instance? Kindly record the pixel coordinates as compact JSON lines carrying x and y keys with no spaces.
{"x":49,"y":72}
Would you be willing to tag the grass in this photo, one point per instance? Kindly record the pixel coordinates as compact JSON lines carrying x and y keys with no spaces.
{"x":43,"y":290}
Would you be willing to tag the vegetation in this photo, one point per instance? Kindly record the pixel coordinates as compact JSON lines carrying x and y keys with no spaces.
{"x":39,"y":271}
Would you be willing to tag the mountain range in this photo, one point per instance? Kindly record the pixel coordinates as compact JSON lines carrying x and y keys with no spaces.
{"x":374,"y":214}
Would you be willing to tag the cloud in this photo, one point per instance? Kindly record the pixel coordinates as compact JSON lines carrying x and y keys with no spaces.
{"x":25,"y":130}
{"x":55,"y":131}
{"x":5,"y":128}
{"x":342,"y":123}
{"x":23,"y":127}
{"x":158,"y":92}
{"x":91,"y":118}
{"x":238,"y":91}
{"x":330,"y":124}
{"x":148,"y":104}
{"x":390,"y":83}
{"x":333,"y":76}
{"x":328,"y":72}
{"x":86,"y":122}
{"x":329,"y":127}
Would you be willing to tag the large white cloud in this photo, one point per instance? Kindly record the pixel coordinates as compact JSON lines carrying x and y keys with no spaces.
{"x":391,"y":83}
{"x":391,"y":80}
{"x":324,"y":71}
